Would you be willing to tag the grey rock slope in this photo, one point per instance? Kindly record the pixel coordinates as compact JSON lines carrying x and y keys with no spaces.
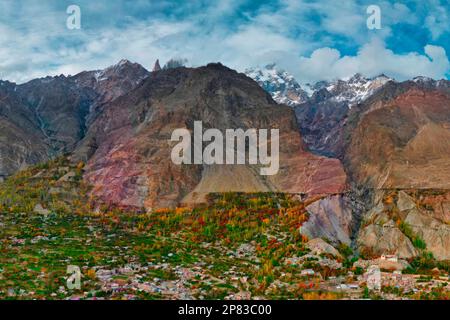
{"x":48,"y":116}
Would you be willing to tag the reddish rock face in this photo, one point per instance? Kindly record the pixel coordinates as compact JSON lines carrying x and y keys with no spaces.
{"x":128,"y":145}
{"x":403,"y":142}
{"x":436,"y":201}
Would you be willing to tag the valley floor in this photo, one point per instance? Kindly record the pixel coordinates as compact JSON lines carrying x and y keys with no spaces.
{"x":238,"y":249}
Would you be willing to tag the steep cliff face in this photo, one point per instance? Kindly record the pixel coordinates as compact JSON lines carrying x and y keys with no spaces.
{"x":330,"y":218}
{"x":46,"y":117}
{"x":128,"y":149}
{"x":402,"y":141}
{"x":110,"y":83}
{"x":322,"y":123}
{"x":21,"y":140}
{"x":399,"y":139}
{"x":59,"y":109}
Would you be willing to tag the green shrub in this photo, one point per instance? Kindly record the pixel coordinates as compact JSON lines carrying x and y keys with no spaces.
{"x":419,"y":243}
{"x":345,"y":250}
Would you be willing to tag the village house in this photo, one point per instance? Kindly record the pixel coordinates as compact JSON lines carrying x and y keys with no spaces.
{"x":307,"y":272}
{"x":389,"y":257}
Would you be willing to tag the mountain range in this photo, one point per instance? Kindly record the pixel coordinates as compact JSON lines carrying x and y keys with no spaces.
{"x":335,"y":120}
{"x":347,"y":145}
{"x":390,"y":136}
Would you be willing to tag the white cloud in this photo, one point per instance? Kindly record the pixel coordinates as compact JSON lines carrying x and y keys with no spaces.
{"x":38,"y":44}
{"x":371,"y":60}
{"x":437,"y":22}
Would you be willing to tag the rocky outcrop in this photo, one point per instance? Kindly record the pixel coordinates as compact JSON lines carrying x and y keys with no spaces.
{"x":405,"y":202}
{"x":319,"y":246}
{"x":156,"y":66}
{"x":435,"y":233}
{"x":384,"y":264}
{"x":400,"y":221}
{"x":386,"y":239}
{"x":330,"y":218}
{"x":435,"y":201}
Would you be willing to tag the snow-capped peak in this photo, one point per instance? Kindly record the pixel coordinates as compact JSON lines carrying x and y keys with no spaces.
{"x":285,"y":89}
{"x":357,"y":88}
{"x":280,"y":84}
{"x":123,"y":67}
{"x":352,"y":90}
{"x":423,"y":79}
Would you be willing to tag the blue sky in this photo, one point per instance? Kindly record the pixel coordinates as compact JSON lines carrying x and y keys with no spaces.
{"x":313,"y":40}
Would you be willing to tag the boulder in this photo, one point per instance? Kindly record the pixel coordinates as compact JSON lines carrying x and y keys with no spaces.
{"x":405,"y":202}
{"x":319,"y":246}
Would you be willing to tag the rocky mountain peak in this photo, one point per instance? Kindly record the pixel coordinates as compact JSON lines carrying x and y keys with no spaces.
{"x":357,"y":78}
{"x":7,"y":85}
{"x":422,"y":79}
{"x":383,"y":76}
{"x":285,"y":89}
{"x":156,"y":66}
{"x":351,"y":91}
{"x":112,"y":81}
{"x":124,"y":68}
{"x":175,"y":63}
{"x":280,"y":84}
{"x":123,"y":62}
{"x":425,"y":81}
